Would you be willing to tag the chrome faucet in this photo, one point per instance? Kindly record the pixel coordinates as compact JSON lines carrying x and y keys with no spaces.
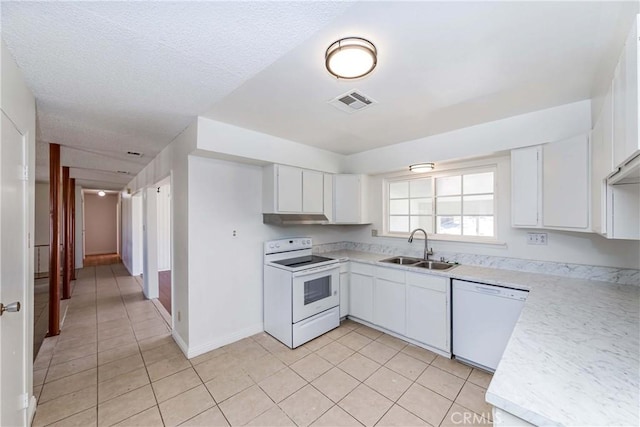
{"x":427,"y":252}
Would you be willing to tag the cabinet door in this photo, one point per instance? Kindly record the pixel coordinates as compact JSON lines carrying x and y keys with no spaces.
{"x":289,"y":189}
{"x":427,"y":320}
{"x":601,"y":164}
{"x":344,"y":294}
{"x":346,"y":200}
{"x":312,"y":191}
{"x":361,"y":297}
{"x":389,"y":305}
{"x":632,"y":143}
{"x":525,"y":186}
{"x":566,"y":182}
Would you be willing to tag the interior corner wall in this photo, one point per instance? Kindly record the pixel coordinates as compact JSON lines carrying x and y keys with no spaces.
{"x":150,"y":244}
{"x":126,"y":231}
{"x":163,"y":226}
{"x":225,"y":271}
{"x":101,"y":224}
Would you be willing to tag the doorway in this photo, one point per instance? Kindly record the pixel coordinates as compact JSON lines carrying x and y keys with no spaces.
{"x":163,"y":205}
{"x":101,"y":227}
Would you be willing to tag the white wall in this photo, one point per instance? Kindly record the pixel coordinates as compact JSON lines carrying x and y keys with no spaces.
{"x":41,"y":229}
{"x":552,"y":124}
{"x":570,"y":247}
{"x":101,"y":224}
{"x":150,"y":244}
{"x":19,"y":105}
{"x":239,"y":144}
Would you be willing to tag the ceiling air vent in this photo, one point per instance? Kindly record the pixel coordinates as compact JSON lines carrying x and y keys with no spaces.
{"x":352,"y":101}
{"x":134,"y":154}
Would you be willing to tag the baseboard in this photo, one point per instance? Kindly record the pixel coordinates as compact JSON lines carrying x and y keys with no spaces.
{"x":219,"y":342}
{"x":33,"y":402}
{"x":178,"y":339}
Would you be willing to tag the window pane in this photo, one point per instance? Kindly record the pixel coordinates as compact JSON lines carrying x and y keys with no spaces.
{"x":449,"y":185}
{"x":421,"y":206}
{"x":478,"y":183}
{"x":449,"y":225}
{"x":399,"y":224}
{"x":420,"y":188}
{"x":399,"y":207}
{"x":423,"y":221}
{"x":478,"y":205}
{"x":449,"y":205}
{"x":399,"y":190}
{"x":478,"y":226}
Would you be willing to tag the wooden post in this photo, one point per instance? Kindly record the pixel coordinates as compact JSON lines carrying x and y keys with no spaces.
{"x":54,"y":239}
{"x":66,"y":234}
{"x":73,"y":228}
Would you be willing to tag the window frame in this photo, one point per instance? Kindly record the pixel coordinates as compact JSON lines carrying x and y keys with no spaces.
{"x":457,"y":171}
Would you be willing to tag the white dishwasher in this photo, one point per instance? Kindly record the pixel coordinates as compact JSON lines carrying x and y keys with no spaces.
{"x":483,"y":318}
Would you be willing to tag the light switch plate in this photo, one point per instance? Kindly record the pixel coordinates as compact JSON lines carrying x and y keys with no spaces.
{"x":536,"y":238}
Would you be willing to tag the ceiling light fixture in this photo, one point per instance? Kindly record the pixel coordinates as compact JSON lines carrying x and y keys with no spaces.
{"x":351,"y":58}
{"x":422,"y":167}
{"x":101,"y":193}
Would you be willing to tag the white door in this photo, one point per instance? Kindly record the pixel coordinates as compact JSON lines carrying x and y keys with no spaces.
{"x":13,"y":275}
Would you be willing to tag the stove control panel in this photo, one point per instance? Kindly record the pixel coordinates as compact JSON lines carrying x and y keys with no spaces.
{"x":286,"y":245}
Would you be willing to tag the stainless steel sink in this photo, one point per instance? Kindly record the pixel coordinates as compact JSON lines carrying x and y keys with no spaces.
{"x":402,"y":260}
{"x":434,"y":265}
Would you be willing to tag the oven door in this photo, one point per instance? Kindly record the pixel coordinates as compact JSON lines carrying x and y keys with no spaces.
{"x":315,"y":290}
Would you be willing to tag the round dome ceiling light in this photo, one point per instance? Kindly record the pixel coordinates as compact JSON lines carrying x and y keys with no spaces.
{"x":101,"y":193}
{"x":422,"y":167}
{"x":351,"y":58}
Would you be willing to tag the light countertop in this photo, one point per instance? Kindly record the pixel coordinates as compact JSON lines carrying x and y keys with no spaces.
{"x":574,"y":355}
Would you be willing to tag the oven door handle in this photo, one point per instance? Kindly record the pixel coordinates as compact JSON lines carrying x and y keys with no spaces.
{"x":316,"y":270}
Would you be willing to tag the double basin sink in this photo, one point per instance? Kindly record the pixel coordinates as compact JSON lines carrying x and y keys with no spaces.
{"x":419,"y":263}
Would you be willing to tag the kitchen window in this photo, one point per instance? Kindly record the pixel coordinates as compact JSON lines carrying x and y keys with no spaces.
{"x":447,"y":204}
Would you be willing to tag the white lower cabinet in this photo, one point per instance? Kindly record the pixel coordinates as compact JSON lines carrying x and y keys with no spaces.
{"x":428,"y":310}
{"x":413,"y":305}
{"x":361,"y":291}
{"x":389,"y":300}
{"x":344,"y":289}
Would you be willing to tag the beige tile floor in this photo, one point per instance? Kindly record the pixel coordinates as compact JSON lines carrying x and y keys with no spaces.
{"x":115,"y":363}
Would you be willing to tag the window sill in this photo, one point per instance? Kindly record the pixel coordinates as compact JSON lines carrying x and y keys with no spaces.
{"x":450,"y":239}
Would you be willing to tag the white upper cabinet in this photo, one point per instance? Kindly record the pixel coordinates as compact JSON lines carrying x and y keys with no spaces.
{"x":550,"y":185}
{"x":601,"y":164}
{"x":349,"y":199}
{"x":288,"y":189}
{"x":312,"y":191}
{"x":565,"y":184}
{"x":625,"y":101}
{"x":526,"y":174}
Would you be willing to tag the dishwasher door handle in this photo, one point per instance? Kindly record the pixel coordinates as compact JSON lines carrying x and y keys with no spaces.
{"x":488,"y":290}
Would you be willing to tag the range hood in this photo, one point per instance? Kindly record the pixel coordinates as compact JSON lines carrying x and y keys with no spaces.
{"x":294,"y":219}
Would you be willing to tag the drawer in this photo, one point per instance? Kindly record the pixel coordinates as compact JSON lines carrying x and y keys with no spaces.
{"x":390,"y":274}
{"x":435,"y":283}
{"x":364,"y":269}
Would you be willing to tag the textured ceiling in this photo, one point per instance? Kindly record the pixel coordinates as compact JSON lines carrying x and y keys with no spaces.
{"x":111,"y":77}
{"x":442,"y":66}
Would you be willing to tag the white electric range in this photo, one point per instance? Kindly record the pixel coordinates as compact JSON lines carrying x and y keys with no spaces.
{"x":301,"y":291}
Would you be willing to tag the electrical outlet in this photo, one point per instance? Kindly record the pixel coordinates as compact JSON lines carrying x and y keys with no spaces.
{"x":374,"y":233}
{"x":536,"y":238}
